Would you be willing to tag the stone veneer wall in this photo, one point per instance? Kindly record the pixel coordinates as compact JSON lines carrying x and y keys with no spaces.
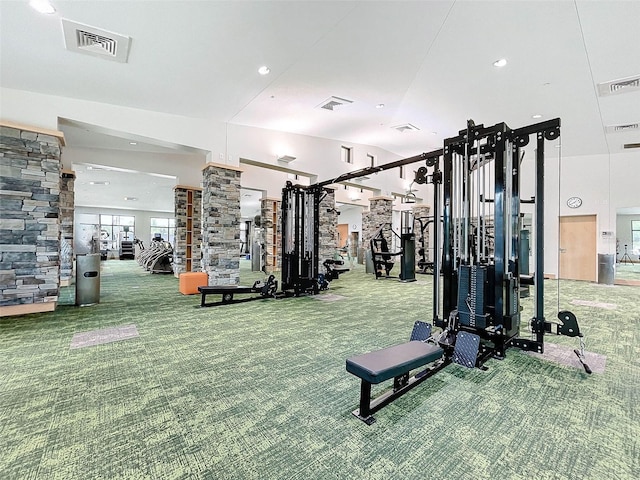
{"x":188,"y":240}
{"x":270,"y":212}
{"x":67,"y":206}
{"x":420,"y":210}
{"x":328,"y":231}
{"x":221,"y":224}
{"x":380,"y":211}
{"x":30,"y":220}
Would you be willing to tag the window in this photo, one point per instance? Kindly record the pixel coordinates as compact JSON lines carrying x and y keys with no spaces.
{"x":635,"y":236}
{"x":347,"y":154}
{"x":371,"y":160}
{"x":114,"y":228}
{"x":164,"y":228}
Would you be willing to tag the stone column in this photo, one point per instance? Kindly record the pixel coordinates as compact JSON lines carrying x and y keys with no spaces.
{"x":221,"y":223}
{"x":187,"y":251}
{"x":67,"y":206}
{"x":270,"y":214}
{"x":328,"y":234}
{"x":30,"y":219}
{"x":421,"y":210}
{"x":380,"y":212}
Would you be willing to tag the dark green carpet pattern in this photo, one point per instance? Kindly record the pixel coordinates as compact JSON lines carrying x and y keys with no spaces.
{"x":258,"y":390}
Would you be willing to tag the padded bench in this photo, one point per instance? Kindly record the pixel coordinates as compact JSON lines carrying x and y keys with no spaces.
{"x":394,"y":362}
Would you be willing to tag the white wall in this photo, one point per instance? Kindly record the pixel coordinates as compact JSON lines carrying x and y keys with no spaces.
{"x":187,"y":168}
{"x":43,"y":111}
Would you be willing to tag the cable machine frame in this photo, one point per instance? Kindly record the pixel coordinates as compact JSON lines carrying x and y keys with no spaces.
{"x":500,"y":147}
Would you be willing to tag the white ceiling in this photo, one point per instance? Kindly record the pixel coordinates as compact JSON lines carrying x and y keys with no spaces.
{"x":428,"y":62}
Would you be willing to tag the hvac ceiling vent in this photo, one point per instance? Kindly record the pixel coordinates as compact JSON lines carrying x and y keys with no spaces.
{"x":631,"y":145}
{"x":622,"y":85}
{"x":95,"y":41}
{"x":627,"y":127}
{"x":334,"y":102}
{"x":406,"y":127}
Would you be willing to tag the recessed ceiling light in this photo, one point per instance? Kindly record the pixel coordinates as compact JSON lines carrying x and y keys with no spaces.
{"x":132,"y":199}
{"x":42,"y":6}
{"x":133,"y":143}
{"x":98,"y":183}
{"x":264,"y":70}
{"x":434,"y":133}
{"x":500,"y":63}
{"x":537,"y":115}
{"x":380,"y":105}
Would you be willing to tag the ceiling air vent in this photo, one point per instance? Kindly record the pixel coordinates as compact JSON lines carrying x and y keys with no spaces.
{"x":631,"y":145}
{"x":622,"y":85}
{"x":406,"y":127}
{"x":334,"y":102}
{"x":627,"y":127}
{"x":95,"y":41}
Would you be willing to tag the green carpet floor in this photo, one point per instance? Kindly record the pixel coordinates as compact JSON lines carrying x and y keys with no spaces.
{"x":258,"y":390}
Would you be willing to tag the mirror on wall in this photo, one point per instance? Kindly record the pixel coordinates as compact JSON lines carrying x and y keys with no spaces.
{"x":628,"y":246}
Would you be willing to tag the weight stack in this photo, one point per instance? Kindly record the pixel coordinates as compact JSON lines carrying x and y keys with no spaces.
{"x":471,"y":296}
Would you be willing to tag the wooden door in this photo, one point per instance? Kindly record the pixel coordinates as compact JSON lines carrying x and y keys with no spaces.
{"x":343,"y":234}
{"x":578,"y":247}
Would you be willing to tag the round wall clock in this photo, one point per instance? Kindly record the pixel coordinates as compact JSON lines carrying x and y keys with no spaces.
{"x":574,"y":202}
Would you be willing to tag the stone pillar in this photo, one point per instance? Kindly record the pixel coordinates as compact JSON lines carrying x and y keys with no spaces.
{"x":421,"y":210}
{"x":187,"y":251}
{"x":30,"y":219}
{"x":380,"y":212}
{"x":328,"y":221}
{"x":67,"y":206}
{"x":270,"y":212}
{"x":221,"y":223}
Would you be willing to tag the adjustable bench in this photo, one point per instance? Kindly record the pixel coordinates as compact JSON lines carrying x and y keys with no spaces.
{"x":394,"y":362}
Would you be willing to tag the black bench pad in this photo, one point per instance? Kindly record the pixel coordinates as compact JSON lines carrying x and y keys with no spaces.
{"x":381,"y":365}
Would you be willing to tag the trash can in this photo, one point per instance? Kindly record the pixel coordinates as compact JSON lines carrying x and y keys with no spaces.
{"x":256,"y":257}
{"x":606,"y":268}
{"x":87,"y":279}
{"x":369,"y":267}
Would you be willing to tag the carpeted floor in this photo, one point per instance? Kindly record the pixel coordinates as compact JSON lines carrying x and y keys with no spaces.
{"x":258,"y":390}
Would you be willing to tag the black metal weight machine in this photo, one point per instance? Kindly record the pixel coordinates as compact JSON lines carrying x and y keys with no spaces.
{"x":300,"y":227}
{"x":479,"y":310}
{"x":480,"y":292}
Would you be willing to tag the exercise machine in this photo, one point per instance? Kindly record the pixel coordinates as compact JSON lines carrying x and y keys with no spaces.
{"x":158,"y":258}
{"x":126,"y":249}
{"x":300,"y":229}
{"x":383,"y":259}
{"x":425,"y":266}
{"x":476,"y":303}
{"x":266,"y":289}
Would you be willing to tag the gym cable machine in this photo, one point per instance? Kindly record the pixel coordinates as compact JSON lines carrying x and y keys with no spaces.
{"x":481,"y":292}
{"x":479,"y":309}
{"x":299,"y":221}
